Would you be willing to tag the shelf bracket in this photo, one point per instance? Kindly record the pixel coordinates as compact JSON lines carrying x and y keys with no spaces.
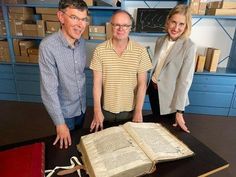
{"x":150,"y":6}
{"x":197,"y":22}
{"x":146,"y":4}
{"x":226,"y":32}
{"x":223,"y":60}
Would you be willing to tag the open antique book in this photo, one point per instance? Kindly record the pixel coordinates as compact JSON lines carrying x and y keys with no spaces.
{"x":129,"y":150}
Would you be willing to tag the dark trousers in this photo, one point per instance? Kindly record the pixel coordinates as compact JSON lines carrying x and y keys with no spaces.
{"x":75,"y":122}
{"x":114,"y":119}
{"x":155,"y":105}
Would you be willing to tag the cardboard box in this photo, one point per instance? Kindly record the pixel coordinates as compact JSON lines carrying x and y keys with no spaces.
{"x":24,"y":45}
{"x":47,"y":17}
{"x":97,"y":29}
{"x":16,"y":46}
{"x":33,"y":51}
{"x":16,"y":27}
{"x":41,"y":28}
{"x":85,"y":34}
{"x":97,"y":37}
{"x":30,"y":30}
{"x":42,"y":2}
{"x":108,"y":30}
{"x":32,"y":33}
{"x":230,"y":12}
{"x":194,"y":6}
{"x":14,"y":16}
{"x":200,"y":63}
{"x":14,"y":1}
{"x":21,"y":10}
{"x":202,"y":8}
{"x":2,"y":22}
{"x":33,"y":58}
{"x":41,"y":10}
{"x":3,"y":32}
{"x":52,"y":26}
{"x":4,"y":44}
{"x":221,"y":4}
{"x":4,"y":51}
{"x":228,"y":4}
{"x":97,"y":32}
{"x":29,"y":26}
{"x":22,"y":59}
{"x":5,"y":55}
{"x":212,"y":59}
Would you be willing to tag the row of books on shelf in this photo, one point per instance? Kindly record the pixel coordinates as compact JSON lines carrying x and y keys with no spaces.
{"x":204,"y":7}
{"x":208,"y":62}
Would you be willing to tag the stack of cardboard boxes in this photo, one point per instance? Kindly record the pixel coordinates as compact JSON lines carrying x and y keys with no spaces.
{"x":26,"y":51}
{"x":38,"y":22}
{"x":97,"y":32}
{"x":198,"y":7}
{"x":209,"y":7}
{"x":100,"y":32}
{"x":49,"y":22}
{"x":221,"y":8}
{"x":19,"y":16}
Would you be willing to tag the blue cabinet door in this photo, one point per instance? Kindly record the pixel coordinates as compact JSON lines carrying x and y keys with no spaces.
{"x":232,"y":111}
{"x":211,"y":94}
{"x":27,"y":83}
{"x":7,"y":83}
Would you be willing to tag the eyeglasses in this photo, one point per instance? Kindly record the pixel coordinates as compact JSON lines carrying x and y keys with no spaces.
{"x":118,"y":26}
{"x":75,"y":19}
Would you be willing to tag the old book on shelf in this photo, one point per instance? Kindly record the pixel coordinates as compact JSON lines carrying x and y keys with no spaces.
{"x":23,"y":161}
{"x":132,"y":149}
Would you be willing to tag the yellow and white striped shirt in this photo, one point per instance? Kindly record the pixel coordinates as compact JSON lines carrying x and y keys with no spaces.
{"x":120,"y":73}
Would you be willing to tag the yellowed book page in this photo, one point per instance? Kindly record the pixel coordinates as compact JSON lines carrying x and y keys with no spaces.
{"x":113,"y":153}
{"x":157,"y":142}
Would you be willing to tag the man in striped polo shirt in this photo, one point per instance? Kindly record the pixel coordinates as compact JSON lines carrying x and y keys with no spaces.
{"x":120,"y":68}
{"x":62,"y":60}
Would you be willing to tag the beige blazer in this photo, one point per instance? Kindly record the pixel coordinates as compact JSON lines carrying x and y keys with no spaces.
{"x":176,"y":75}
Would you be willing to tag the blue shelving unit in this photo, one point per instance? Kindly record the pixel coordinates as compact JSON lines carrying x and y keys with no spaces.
{"x":20,"y":81}
{"x":211,"y":93}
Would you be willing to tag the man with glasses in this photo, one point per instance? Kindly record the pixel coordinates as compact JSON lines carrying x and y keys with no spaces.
{"x":120,"y":68}
{"x":62,"y":59}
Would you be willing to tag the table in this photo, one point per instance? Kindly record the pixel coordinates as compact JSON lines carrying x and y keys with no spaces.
{"x":204,"y":162}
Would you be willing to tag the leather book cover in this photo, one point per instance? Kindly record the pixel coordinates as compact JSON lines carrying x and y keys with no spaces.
{"x":23,"y":161}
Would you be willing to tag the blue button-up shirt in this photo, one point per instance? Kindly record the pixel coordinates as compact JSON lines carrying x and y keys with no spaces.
{"x":62,"y":81}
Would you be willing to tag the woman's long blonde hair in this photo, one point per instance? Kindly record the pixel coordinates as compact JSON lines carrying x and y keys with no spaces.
{"x":183,"y":10}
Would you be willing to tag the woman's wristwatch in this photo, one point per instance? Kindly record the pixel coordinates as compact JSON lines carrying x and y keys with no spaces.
{"x":179,"y":111}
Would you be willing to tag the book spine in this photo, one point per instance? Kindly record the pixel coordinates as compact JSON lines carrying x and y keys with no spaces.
{"x":85,"y":159}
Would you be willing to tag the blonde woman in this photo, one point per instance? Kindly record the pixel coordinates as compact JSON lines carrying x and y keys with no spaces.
{"x":173,"y":68}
